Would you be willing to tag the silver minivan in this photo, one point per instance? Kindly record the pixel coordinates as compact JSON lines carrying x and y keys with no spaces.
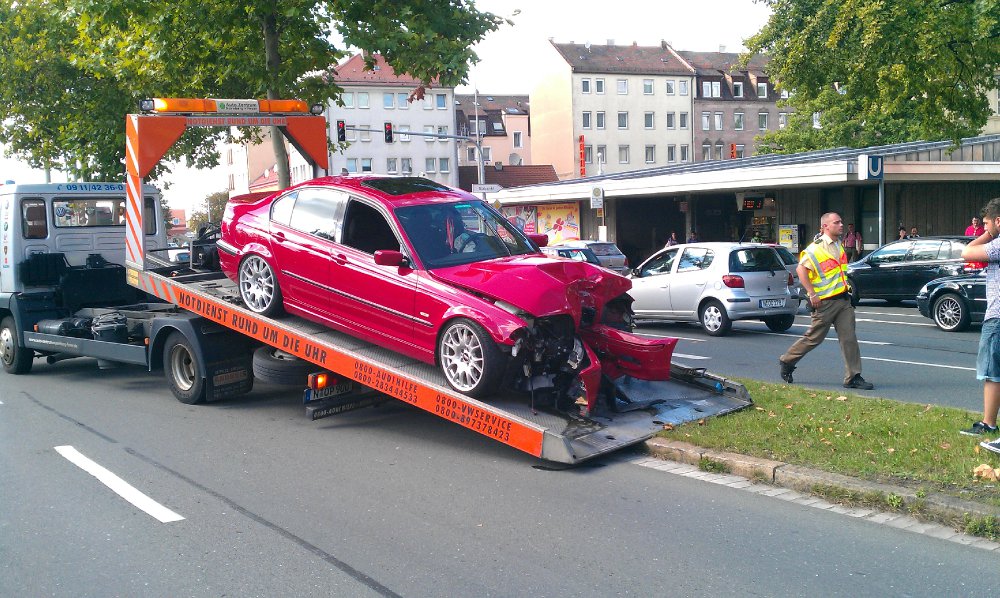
{"x":715,"y":284}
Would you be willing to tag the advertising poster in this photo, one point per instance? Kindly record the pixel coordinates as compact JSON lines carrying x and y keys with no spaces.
{"x":560,"y":221}
{"x":523,"y":217}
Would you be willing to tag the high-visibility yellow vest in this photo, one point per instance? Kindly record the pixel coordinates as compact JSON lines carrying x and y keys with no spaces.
{"x":828,"y":274}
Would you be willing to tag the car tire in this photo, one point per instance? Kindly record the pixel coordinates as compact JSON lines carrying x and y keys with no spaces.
{"x":855,"y":296}
{"x":779,"y":323}
{"x":16,"y":358}
{"x":469,"y":359}
{"x":277,"y":367}
{"x":182,"y":369}
{"x":950,"y":313}
{"x":714,"y":319}
{"x":259,"y":286}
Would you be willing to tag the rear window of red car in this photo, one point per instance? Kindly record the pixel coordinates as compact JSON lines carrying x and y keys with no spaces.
{"x":404,"y":185}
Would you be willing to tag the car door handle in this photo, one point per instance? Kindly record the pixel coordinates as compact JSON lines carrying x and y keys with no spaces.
{"x":279,"y":235}
{"x":339,"y":258}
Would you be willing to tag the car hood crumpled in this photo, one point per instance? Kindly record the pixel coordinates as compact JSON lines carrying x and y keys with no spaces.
{"x":540,"y":286}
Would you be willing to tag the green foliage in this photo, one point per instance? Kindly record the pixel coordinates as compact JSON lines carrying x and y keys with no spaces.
{"x":880,"y":72}
{"x":210,"y":210}
{"x":712,"y":465}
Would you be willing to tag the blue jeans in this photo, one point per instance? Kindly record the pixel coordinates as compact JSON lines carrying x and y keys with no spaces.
{"x":988,"y":360}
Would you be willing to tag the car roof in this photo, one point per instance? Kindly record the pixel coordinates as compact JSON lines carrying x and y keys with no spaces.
{"x":935,"y":238}
{"x":362,"y":185}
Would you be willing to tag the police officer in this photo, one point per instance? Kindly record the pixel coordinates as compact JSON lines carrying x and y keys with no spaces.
{"x":822,"y":271}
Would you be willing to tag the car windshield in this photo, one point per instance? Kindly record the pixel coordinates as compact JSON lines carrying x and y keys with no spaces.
{"x":451,"y":234}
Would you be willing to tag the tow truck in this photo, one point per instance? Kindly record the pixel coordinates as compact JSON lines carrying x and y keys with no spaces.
{"x":86,"y":273}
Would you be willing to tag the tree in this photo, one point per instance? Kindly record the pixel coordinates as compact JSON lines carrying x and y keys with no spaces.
{"x":84,"y":64}
{"x":879,"y":71}
{"x":210,"y":210}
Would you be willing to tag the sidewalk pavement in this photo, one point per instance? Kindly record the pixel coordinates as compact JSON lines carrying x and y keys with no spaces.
{"x":934,"y":506}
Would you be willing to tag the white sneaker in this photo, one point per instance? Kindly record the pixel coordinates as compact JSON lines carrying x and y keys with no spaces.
{"x":993,"y":447}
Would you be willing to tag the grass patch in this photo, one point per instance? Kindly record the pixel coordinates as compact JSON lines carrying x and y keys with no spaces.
{"x":713,"y":466}
{"x":916,"y":446}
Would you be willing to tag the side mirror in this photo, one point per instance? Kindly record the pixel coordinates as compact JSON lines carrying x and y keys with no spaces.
{"x":389,"y":257}
{"x":540,"y":240}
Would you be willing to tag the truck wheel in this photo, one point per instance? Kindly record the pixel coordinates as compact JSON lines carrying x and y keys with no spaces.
{"x":183,"y":371}
{"x":950,"y":313}
{"x":16,"y":359}
{"x":259,"y":287}
{"x":277,"y":367}
{"x":714,"y":319}
{"x":471,"y":362}
{"x":779,"y":323}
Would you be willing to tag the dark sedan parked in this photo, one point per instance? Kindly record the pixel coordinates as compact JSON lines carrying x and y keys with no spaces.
{"x":954,"y":302}
{"x":897,"y":270}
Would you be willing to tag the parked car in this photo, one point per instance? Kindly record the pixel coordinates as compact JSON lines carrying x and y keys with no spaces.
{"x":896,"y":271}
{"x":438,"y":275}
{"x":954,"y":302}
{"x":715,"y":283}
{"x":791,"y":262}
{"x":607,"y":253}
{"x":579,"y":254}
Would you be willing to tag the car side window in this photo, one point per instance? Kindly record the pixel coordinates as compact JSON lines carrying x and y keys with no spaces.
{"x":660,"y":264}
{"x":366,"y":229}
{"x":952,"y":250}
{"x":695,"y":258}
{"x":891,"y":254}
{"x":316,"y":212}
{"x":281,"y":209}
{"x":924,"y":250}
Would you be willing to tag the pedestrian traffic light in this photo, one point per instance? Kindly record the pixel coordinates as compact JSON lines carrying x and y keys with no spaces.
{"x":388,"y":132}
{"x":732,"y":151}
{"x":341,"y":131}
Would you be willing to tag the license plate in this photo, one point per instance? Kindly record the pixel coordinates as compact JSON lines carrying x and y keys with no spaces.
{"x":765,"y":303}
{"x":330,"y":391}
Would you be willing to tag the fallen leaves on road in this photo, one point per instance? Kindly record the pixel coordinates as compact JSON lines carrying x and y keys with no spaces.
{"x":668,"y":427}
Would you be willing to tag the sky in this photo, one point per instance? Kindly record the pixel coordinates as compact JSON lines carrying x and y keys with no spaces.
{"x":506,"y":56}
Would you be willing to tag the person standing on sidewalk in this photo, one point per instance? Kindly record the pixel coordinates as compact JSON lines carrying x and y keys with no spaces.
{"x":852,"y":244}
{"x":822,"y":271}
{"x":986,"y":248}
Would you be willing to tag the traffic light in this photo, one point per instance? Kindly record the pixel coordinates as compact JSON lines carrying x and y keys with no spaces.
{"x":341,"y":131}
{"x":732,"y":151}
{"x":388,"y":132}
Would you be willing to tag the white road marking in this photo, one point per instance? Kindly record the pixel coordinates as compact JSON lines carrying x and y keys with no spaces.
{"x":892,"y":322}
{"x":930,"y":365}
{"x":119,"y":486}
{"x":829,"y":338}
{"x":685,"y":356}
{"x":884,"y":313}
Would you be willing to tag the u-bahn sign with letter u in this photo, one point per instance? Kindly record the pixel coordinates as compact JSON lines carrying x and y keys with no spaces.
{"x":870,"y":168}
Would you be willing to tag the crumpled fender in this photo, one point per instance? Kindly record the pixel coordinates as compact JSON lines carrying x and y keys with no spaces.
{"x":622,"y":353}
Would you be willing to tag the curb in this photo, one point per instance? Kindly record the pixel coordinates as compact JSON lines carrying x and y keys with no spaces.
{"x":934,"y":506}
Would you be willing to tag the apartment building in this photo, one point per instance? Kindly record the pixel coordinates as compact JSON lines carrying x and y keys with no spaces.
{"x":609,"y":108}
{"x":730,"y":105}
{"x":503,"y":121}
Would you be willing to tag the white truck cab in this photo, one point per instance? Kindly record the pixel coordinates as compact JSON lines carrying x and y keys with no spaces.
{"x":76,"y":220}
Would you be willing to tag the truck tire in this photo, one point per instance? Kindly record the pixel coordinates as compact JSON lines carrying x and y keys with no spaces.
{"x":470,"y":360}
{"x":277,"y":367}
{"x":16,"y":358}
{"x":184,"y":373}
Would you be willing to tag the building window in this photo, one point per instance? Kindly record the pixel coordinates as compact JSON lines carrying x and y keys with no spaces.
{"x":478,"y":126}
{"x":718,"y":151}
{"x":762,"y":121}
{"x":602,"y":154}
{"x":442,"y":101}
{"x":650,"y":154}
{"x":706,"y":151}
{"x":762,"y":90}
{"x":600,"y":119}
{"x":517,"y":139}
{"x":647,"y":120}
{"x":623,"y":120}
{"x":684,"y":153}
{"x":784,"y":94}
{"x":584,"y":85}
{"x":706,"y":121}
{"x":351,"y":134}
{"x":390,"y":165}
{"x":471,"y":153}
{"x":682,"y":87}
{"x":739,"y":151}
{"x":782,"y":120}
{"x":388,"y":101}
{"x":737,"y":89}
{"x":588,"y":154}
{"x":623,"y":154}
{"x":586,"y":120}
{"x":487,"y":154}
{"x":671,"y":153}
{"x":352,"y":165}
{"x":718,"y":121}
{"x":444,"y":165}
{"x":429,"y":129}
{"x":738,"y":121}
{"x":716,"y":89}
{"x":706,"y":89}
{"x":671,"y":120}
{"x":429,"y":101}
{"x":430,"y":165}
{"x":684,"y":120}
{"x":366,"y":134}
{"x":406,"y":165}
{"x":443,"y":130}
{"x":347,"y":99}
{"x":671,"y":87}
{"x":647,"y":87}
{"x":366,"y":164}
{"x":623,"y":87}
{"x":598,"y":85}
{"x":363,"y":100}
{"x":402,"y":101}
{"x":402,"y":130}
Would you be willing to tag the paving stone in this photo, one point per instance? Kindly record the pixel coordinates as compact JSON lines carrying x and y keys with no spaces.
{"x":860,"y":512}
{"x":742,"y":484}
{"x":789,"y":496}
{"x":807,"y":501}
{"x":884,"y":517}
{"x":903,"y":522}
{"x":985,"y":544}
{"x":940,"y":531}
{"x":776,"y":491}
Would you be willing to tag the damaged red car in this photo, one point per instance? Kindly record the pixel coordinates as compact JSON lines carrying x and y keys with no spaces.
{"x":437,"y":274}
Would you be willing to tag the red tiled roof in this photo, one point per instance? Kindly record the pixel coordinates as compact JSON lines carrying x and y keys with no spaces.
{"x":353,"y":71}
{"x":507,"y":176}
{"x":268,"y":181}
{"x":597,"y":58}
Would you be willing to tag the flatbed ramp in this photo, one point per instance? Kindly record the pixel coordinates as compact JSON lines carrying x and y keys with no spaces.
{"x":509,"y":417}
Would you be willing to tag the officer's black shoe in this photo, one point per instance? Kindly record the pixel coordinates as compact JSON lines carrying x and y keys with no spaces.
{"x":786,"y":371}
{"x":858,"y":382}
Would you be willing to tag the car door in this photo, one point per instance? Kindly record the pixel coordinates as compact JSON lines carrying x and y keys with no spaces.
{"x":651,"y":285}
{"x":923,"y":264}
{"x":878,"y":278}
{"x":692,"y":277}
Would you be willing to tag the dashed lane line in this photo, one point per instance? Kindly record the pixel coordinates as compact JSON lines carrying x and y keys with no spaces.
{"x":921,"y":363}
{"x":119,"y":486}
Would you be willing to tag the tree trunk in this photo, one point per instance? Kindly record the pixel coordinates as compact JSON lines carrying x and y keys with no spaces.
{"x":273,"y":60}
